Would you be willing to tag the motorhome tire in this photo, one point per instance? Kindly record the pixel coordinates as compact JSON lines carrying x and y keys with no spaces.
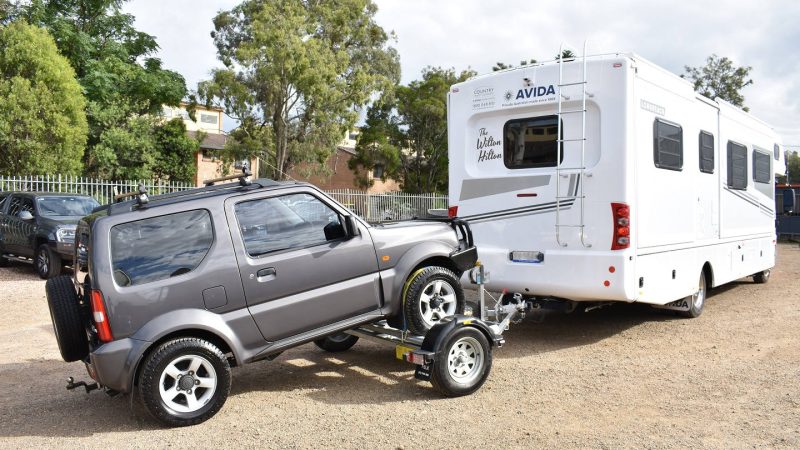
{"x":431,"y":294}
{"x":336,"y":342}
{"x":65,"y":313}
{"x":463,"y":363}
{"x":697,"y":300}
{"x":185,"y":381}
{"x":761,"y":277}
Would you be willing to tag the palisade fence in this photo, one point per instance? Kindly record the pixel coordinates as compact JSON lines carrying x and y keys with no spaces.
{"x":373,"y":208}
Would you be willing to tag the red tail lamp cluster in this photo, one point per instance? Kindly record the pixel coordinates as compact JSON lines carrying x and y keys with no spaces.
{"x":622,"y":226}
{"x":100,"y":317}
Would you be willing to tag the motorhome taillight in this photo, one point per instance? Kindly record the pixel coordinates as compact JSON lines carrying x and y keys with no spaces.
{"x":100,"y":317}
{"x":452,"y":212}
{"x":622,"y":226}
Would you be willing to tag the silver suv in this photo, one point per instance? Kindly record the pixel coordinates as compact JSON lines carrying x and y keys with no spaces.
{"x":170,"y":292}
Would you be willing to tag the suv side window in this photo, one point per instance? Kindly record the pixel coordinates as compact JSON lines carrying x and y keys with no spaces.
{"x":160,"y":247}
{"x":285,"y":222}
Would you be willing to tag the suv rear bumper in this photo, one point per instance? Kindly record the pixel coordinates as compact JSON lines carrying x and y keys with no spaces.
{"x":113,"y":364}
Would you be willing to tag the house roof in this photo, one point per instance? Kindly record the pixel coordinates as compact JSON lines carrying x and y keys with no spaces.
{"x":212,"y":141}
{"x":349,"y":150}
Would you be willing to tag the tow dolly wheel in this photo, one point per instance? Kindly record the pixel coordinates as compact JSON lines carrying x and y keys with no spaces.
{"x":463,"y":363}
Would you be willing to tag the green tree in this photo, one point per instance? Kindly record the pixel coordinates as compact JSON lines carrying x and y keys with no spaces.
{"x":115,"y":66}
{"x":377,"y":145}
{"x":792,"y":168}
{"x":412,"y":139}
{"x":296,"y":71}
{"x":503,"y":66}
{"x":42,"y":120}
{"x":719,"y":78}
{"x":145,"y":148}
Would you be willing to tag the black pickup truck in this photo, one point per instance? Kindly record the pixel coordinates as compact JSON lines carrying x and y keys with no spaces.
{"x":39,"y":228}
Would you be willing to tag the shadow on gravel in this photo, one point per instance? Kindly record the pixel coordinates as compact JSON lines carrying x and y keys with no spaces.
{"x":367,"y":374}
{"x":42,"y":406}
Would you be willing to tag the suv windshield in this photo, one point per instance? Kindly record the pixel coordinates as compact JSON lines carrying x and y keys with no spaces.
{"x":66,"y":206}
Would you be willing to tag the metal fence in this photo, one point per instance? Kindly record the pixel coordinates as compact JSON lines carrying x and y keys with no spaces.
{"x":102,"y":190}
{"x":389,"y":206}
{"x":371,"y":207}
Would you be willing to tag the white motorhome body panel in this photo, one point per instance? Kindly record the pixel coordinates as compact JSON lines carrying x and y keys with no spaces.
{"x":682,"y":220}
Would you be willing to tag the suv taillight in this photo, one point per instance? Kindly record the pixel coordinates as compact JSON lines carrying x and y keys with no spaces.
{"x":452,"y":212}
{"x":622,"y":226}
{"x":100,"y":317}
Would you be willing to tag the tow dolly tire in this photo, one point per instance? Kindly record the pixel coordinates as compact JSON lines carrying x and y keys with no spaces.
{"x":436,"y":284}
{"x":65,"y":313}
{"x":463,"y":363}
{"x":337,"y":342}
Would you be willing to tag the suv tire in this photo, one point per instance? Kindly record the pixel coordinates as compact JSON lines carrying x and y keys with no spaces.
{"x":48,"y":262}
{"x":65,"y":312}
{"x":184,"y":381}
{"x":337,"y":342}
{"x":431,"y":294}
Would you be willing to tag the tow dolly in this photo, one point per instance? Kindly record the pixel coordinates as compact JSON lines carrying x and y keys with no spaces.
{"x":455,"y":355}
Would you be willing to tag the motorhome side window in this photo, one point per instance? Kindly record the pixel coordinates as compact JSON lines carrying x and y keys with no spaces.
{"x":706,"y":152}
{"x":737,"y":166}
{"x":531,"y":142}
{"x":761,"y":167}
{"x":667,"y":145}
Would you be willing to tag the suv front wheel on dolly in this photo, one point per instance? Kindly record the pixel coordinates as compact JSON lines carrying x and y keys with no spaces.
{"x":431,"y":294}
{"x":185,"y":381}
{"x":463,"y":363}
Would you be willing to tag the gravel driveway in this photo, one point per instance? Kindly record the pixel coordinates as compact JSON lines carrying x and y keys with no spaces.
{"x":623,"y":376}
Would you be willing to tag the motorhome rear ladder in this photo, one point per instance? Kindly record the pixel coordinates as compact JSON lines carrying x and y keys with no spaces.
{"x":571,"y":197}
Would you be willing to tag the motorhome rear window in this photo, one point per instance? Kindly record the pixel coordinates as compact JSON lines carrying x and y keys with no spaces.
{"x":706,"y":152}
{"x":531,"y":142}
{"x":761,"y":169}
{"x":737,"y":166}
{"x":667,"y":145}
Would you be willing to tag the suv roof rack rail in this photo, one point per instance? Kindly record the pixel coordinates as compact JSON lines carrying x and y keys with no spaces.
{"x":243,"y":178}
{"x":204,"y":191}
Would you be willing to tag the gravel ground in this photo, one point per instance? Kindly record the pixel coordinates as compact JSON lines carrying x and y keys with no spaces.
{"x":623,"y":376}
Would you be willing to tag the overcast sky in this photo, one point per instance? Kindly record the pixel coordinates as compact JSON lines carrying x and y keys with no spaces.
{"x":477,"y":33}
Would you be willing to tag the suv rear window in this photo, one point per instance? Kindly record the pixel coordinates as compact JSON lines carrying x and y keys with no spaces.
{"x":160,"y":247}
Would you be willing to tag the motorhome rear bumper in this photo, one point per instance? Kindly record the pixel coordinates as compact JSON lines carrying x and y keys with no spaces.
{"x":574,"y":275}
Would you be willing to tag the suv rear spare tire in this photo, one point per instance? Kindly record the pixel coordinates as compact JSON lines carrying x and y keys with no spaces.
{"x":65,"y":312}
{"x":431,"y":294}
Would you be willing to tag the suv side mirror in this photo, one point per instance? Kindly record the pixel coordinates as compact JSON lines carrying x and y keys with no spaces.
{"x":789,"y":201}
{"x":351,"y":226}
{"x":25,"y":215}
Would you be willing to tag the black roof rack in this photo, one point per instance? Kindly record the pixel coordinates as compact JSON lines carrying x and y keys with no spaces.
{"x":189,"y":194}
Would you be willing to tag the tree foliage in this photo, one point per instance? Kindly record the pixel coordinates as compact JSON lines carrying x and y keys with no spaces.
{"x":42,"y":120}
{"x":145,"y":148}
{"x":408,"y":136}
{"x":296,"y":71}
{"x":792,"y":168}
{"x":719,"y":78}
{"x":116,"y":67}
{"x":503,"y":66}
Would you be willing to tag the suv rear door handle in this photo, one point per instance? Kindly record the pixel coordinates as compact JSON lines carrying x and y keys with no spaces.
{"x":266,"y":274}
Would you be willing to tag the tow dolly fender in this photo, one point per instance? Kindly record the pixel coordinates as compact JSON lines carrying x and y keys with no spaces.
{"x":435,"y":337}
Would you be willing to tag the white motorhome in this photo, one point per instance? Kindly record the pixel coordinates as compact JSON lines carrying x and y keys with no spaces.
{"x":607,"y":178}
